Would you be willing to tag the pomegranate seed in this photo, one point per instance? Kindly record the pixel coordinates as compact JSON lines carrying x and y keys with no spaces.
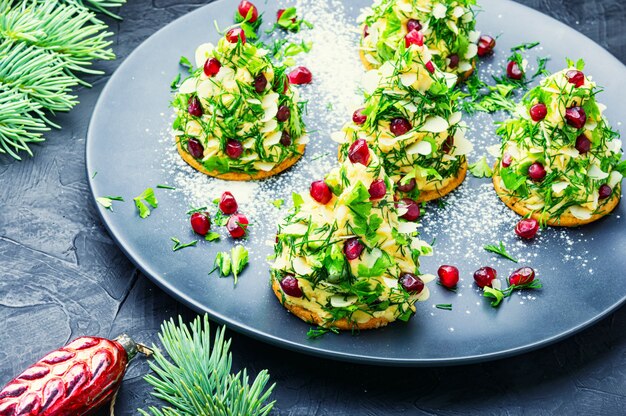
{"x":604,"y":192}
{"x":407,"y":186}
{"x":414,"y":37}
{"x":228,"y":204}
{"x":201,"y":223}
{"x":211,"y":67}
{"x":575,"y":77}
{"x":413,"y":209}
{"x":300,"y":75}
{"x":248,"y":9}
{"x":454,"y":61}
{"x":237,"y":225}
{"x":195,"y":148}
{"x":448,"y":144}
{"x":260,"y":83}
{"x":538,"y":112}
{"x":576,"y":117}
{"x":484,"y":276}
{"x":320,"y":192}
{"x":536,"y":172}
{"x":353,"y":248}
{"x":378,"y":189}
{"x":285,"y":139}
{"x":583,"y":144}
{"x":234,"y":149}
{"x":448,"y":276}
{"x":366,"y":31}
{"x":527,"y":228}
{"x":235,"y":35}
{"x":359,"y":152}
{"x":411,"y":283}
{"x":486,"y":45}
{"x":522,"y":276}
{"x":194,"y":107}
{"x":507,"y":159}
{"x":413,"y":24}
{"x":400,"y":126}
{"x":514,"y":71}
{"x":283,"y":113}
{"x":358,"y":117}
{"x":290,"y":286}
{"x":430,"y":67}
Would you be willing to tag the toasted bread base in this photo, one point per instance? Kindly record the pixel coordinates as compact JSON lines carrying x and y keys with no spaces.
{"x":565,"y":220}
{"x":448,"y":185}
{"x":369,"y":66}
{"x":313,"y":318}
{"x":239,"y":176}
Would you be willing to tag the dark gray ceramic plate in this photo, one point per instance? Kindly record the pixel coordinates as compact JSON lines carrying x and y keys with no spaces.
{"x":582,"y":270}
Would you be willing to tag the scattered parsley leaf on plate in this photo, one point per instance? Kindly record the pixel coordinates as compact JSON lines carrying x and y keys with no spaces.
{"x":500,"y":250}
{"x":239,"y":257}
{"x":494,"y":294}
{"x":149,"y":197}
{"x":278,"y":203}
{"x":481,"y":169}
{"x":107,"y":201}
{"x":184,"y":62}
{"x":320,"y":332}
{"x":212,"y":236}
{"x":222,"y":264}
{"x":179,"y":246}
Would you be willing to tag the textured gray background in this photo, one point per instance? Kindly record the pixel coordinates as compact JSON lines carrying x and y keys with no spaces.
{"x":61,"y":276}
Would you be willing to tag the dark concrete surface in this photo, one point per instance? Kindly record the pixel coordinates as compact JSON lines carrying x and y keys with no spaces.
{"x":61,"y":276}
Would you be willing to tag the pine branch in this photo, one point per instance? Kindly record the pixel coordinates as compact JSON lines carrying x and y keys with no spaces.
{"x":45,"y":45}
{"x":18,"y":127}
{"x":100,"y":6}
{"x":65,"y":32}
{"x":37,"y":76}
{"x":197,"y":378}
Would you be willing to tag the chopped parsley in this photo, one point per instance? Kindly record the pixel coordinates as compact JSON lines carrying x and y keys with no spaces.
{"x":278,"y":203}
{"x":185,"y":63}
{"x":481,"y":169}
{"x":212,"y":236}
{"x":320,"y":331}
{"x":239,"y":256}
{"x":146,"y":196}
{"x":179,"y":246}
{"x":107,"y":201}
{"x":500,"y":250}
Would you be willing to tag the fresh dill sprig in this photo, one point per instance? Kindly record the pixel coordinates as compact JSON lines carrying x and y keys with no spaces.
{"x":194,"y":375}
{"x":500,"y":250}
{"x":320,"y":331}
{"x":179,"y":246}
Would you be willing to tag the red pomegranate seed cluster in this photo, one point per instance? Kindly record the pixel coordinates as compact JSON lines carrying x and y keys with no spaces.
{"x":236,"y":225}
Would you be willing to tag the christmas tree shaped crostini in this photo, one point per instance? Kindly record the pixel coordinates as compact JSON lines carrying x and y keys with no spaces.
{"x":237,"y":117}
{"x":560,"y":160}
{"x":347,"y":256}
{"x":447,"y":26}
{"x":412,"y":121}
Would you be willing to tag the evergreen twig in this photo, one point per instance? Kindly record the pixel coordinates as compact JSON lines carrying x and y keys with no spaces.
{"x":197,"y":380}
{"x":45,"y":45}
